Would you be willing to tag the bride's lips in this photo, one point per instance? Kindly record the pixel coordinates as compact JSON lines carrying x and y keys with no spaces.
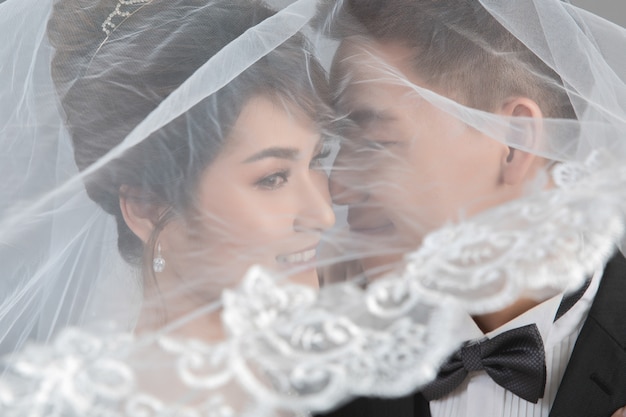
{"x":302,"y":257}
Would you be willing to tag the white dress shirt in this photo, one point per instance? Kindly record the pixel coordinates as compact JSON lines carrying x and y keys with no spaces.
{"x":480,"y":396}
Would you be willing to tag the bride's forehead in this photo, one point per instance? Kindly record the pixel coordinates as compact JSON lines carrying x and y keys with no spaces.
{"x":264,"y":121}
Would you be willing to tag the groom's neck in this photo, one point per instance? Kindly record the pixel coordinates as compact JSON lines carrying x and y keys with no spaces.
{"x":491,"y":321}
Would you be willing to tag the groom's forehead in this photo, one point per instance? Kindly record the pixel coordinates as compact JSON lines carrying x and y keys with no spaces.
{"x":366,"y":70}
{"x":362,"y":53}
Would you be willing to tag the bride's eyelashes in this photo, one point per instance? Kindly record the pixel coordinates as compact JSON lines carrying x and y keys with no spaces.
{"x":279,"y":178}
{"x":273,"y":181}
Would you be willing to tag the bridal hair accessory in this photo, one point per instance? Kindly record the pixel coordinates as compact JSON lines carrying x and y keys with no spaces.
{"x":158,"y":263}
{"x":108,"y":26}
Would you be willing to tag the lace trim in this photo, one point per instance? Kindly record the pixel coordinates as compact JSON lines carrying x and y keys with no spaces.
{"x":289,"y":351}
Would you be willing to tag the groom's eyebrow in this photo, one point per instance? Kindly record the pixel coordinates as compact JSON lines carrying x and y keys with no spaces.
{"x":364,"y":116}
{"x":274,"y":152}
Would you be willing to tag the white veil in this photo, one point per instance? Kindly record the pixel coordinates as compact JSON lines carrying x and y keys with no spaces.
{"x":87,"y":324}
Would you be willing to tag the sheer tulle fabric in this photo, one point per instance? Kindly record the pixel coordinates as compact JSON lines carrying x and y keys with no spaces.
{"x":116,"y":120}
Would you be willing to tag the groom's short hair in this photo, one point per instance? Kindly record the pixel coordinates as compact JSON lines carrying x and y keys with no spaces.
{"x":460,"y":49}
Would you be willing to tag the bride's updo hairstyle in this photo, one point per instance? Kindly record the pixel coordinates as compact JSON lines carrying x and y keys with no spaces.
{"x":110,"y":77}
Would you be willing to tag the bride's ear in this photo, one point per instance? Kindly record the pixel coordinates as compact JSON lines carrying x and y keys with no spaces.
{"x":517,"y":165}
{"x":140,"y":214}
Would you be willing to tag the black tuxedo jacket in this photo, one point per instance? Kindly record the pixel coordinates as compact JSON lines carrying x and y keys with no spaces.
{"x":594,"y":384}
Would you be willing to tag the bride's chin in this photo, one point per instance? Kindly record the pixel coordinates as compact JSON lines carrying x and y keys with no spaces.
{"x":308,"y":278}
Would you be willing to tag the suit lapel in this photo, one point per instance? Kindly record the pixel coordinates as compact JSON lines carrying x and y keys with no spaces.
{"x":594,"y":383}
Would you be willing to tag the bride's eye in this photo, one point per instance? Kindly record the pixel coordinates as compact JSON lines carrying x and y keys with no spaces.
{"x":273,"y":181}
{"x":324,"y":153}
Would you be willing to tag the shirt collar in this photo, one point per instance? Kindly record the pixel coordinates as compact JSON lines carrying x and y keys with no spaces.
{"x":542,"y":315}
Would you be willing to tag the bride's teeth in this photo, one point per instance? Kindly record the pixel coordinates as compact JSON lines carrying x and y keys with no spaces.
{"x":299,"y":257}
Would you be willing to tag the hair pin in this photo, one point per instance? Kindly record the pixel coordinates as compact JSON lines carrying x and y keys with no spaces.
{"x":108,"y":26}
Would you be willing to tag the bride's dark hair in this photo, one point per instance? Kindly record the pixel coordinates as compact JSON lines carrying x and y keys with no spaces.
{"x":109,"y":83}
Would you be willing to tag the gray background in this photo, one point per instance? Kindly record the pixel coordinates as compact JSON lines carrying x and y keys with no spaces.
{"x":614,"y":10}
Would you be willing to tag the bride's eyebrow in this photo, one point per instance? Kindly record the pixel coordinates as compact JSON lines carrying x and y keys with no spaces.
{"x":274,"y":152}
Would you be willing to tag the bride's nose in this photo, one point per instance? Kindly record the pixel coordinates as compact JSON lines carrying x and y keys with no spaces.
{"x":315,"y":208}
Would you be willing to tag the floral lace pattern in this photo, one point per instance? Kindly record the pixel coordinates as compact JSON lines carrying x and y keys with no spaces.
{"x":536,"y":247}
{"x":289,"y":352}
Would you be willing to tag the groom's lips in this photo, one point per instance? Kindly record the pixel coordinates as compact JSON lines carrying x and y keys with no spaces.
{"x":373,"y":230}
{"x":368,"y":223}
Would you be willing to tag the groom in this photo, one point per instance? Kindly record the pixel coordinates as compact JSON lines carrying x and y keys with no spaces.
{"x":419,"y":168}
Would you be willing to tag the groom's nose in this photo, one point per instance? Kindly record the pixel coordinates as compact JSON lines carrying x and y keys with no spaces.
{"x":348,"y":182}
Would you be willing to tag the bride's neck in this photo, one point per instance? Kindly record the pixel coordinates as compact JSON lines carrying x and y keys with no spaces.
{"x":183,"y":315}
{"x":207,"y":328}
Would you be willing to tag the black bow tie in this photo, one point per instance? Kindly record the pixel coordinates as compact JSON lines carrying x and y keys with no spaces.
{"x":514,"y":359}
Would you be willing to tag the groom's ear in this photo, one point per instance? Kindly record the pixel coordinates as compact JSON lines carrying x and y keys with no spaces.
{"x":518,"y":165}
{"x":140,"y":213}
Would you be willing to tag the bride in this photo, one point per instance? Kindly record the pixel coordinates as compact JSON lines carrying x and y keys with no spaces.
{"x":236,"y":180}
{"x":212,"y":183}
